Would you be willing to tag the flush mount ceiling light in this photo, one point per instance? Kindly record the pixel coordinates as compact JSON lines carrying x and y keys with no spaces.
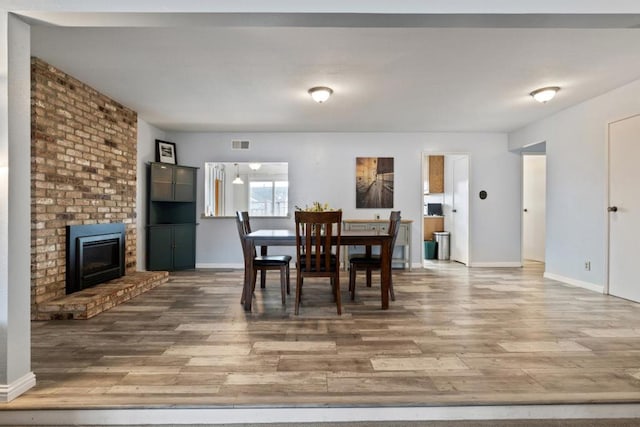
{"x":237,"y":179}
{"x":320,"y":93}
{"x":255,"y":166}
{"x":545,"y":94}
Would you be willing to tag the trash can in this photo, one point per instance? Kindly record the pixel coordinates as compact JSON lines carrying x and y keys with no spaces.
{"x":429,"y":249}
{"x":442,"y":241}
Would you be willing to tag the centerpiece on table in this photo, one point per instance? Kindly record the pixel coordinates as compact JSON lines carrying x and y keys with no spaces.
{"x":317,"y":207}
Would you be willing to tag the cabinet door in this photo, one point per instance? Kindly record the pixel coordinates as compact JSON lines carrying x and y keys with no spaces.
{"x":160,"y":248}
{"x":436,"y":174}
{"x":185,"y":185}
{"x":161,"y":182}
{"x":184,"y":250}
{"x":431,"y":224}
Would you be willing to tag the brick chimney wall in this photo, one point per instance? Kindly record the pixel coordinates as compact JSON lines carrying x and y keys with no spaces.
{"x":83,"y":171}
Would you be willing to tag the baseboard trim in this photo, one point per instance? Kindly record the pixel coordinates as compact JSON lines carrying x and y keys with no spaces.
{"x":216,"y":265}
{"x":509,"y":264}
{"x":573,"y":282}
{"x":250,"y":415}
{"x":8,"y":392}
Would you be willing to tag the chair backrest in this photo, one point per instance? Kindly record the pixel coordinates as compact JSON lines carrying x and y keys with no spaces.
{"x":394,"y":225}
{"x":318,"y":241}
{"x":244,"y":228}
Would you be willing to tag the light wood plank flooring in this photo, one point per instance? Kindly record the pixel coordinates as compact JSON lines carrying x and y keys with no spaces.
{"x":454,"y":336}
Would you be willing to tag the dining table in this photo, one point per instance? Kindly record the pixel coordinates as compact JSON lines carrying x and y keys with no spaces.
{"x":368,"y":238}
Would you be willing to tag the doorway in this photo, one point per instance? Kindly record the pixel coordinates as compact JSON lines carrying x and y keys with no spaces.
{"x":445,"y":200}
{"x":624,"y":208}
{"x":533,"y":206}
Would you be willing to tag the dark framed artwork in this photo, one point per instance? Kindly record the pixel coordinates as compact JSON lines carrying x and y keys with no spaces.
{"x":166,"y":152}
{"x":374,"y":182}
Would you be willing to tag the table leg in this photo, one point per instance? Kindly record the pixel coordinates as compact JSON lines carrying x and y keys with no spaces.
{"x":263,"y":273}
{"x":385,"y":275}
{"x":247,"y":292}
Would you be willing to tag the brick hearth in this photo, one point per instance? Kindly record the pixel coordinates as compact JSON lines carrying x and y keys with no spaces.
{"x":91,"y":301}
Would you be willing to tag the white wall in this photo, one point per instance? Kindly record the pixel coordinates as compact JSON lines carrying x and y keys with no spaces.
{"x":322,"y":168}
{"x":15,"y":208}
{"x":576,"y":146}
{"x":147,"y":136}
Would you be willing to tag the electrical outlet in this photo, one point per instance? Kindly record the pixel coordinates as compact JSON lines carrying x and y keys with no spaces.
{"x":587,"y":265}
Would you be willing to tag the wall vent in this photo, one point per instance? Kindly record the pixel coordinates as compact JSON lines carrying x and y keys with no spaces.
{"x":239,"y":145}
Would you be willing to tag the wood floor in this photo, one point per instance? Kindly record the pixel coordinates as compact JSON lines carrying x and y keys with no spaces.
{"x":454,"y":336}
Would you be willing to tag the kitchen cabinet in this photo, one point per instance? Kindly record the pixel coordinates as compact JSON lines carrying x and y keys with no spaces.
{"x":171,"y":214}
{"x":402,"y":250}
{"x":436,"y":174}
{"x":431,"y":225}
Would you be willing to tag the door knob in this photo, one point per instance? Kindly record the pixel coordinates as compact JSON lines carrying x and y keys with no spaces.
{"x":612,"y":209}
{"x":526,"y":210}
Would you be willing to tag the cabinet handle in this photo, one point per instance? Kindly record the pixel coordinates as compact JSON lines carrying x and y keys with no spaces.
{"x":612,"y":209}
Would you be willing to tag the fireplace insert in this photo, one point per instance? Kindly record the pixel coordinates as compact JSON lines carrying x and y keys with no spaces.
{"x":95,"y":254}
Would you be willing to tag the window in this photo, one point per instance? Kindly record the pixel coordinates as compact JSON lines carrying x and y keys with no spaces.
{"x":268,"y":198}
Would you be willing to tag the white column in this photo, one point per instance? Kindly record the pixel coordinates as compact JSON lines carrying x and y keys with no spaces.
{"x":15,"y":211}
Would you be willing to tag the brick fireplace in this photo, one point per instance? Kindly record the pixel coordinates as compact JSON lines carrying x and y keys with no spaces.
{"x":83,"y":171}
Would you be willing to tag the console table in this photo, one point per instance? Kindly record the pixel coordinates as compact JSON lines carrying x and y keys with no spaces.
{"x":403,"y":239}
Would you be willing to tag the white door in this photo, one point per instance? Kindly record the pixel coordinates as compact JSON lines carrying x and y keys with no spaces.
{"x":533,"y":204}
{"x":624,"y":208}
{"x":460,"y":210}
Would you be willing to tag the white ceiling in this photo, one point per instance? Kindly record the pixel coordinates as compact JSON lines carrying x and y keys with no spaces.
{"x":441,"y":75}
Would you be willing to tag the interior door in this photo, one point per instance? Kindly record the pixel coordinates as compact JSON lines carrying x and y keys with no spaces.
{"x":460,"y":210}
{"x":533,"y":204}
{"x":624,"y":208}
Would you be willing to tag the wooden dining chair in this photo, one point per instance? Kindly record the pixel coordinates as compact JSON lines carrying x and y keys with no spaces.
{"x":261,"y":263}
{"x":318,"y":250}
{"x":369,"y":262}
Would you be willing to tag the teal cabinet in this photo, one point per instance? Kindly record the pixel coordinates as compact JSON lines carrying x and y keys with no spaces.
{"x":171,"y":183}
{"x":184,"y":184}
{"x":184,"y":246}
{"x":160,"y":247}
{"x":171,"y":214}
{"x":171,"y":247}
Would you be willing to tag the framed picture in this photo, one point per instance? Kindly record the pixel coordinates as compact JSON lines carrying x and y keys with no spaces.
{"x":374,"y":182}
{"x":166,"y":152}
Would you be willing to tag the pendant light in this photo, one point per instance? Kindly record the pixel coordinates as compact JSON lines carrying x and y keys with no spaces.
{"x":237,"y":179}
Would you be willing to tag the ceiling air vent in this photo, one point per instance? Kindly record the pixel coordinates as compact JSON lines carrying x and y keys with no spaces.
{"x":239,"y":145}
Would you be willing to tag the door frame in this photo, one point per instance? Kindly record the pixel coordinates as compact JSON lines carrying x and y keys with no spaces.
{"x":426,"y":153}
{"x":529,"y":149}
{"x":607,"y":192}
{"x":522,"y":156}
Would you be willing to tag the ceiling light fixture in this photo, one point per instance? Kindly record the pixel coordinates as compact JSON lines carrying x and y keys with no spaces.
{"x":237,"y":179}
{"x":320,"y":93}
{"x":255,"y":166}
{"x":545,"y":94}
